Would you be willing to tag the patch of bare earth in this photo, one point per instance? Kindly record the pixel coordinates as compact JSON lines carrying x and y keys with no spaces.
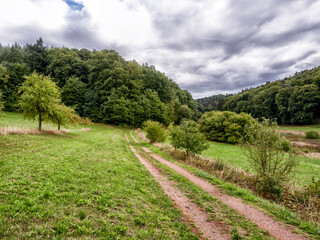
{"x":302,"y":134}
{"x":193,"y":213}
{"x":276,"y":229}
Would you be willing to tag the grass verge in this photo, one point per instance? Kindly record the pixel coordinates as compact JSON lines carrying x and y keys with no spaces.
{"x":279,"y":212}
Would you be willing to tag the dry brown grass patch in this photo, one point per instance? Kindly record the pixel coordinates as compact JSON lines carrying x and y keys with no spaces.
{"x":22,"y":131}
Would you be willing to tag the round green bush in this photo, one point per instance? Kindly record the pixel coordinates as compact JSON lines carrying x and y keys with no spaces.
{"x":228,"y":127}
{"x":155,"y":131}
{"x":312,"y":135}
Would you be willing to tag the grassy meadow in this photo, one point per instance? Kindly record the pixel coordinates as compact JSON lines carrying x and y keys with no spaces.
{"x":83,"y":184}
{"x":301,"y":128}
{"x":233,"y":156}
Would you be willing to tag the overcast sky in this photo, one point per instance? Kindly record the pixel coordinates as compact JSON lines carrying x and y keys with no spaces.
{"x":206,"y":46}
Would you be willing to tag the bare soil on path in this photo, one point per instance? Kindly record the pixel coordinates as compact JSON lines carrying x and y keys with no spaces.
{"x":209,"y":229}
{"x":276,"y":229}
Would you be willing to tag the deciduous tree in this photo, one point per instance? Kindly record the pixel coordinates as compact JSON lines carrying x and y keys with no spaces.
{"x":39,"y":97}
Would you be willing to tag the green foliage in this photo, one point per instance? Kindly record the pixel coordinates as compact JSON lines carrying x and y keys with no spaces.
{"x":36,"y":56}
{"x":226,"y":126}
{"x":312,"y":135}
{"x":1,"y":104}
{"x":155,"y":131}
{"x":268,"y":159}
{"x":304,"y":104}
{"x":100,"y":85}
{"x":73,"y":94}
{"x":39,"y":97}
{"x":63,"y":116}
{"x":313,"y":189}
{"x":50,"y":171}
{"x":187,"y":136}
{"x":214,"y":102}
{"x":293,"y":100}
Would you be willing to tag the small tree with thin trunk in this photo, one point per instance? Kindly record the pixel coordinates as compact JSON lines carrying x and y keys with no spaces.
{"x":270,"y":157}
{"x":187,"y":136}
{"x":63,"y":116}
{"x":38,"y":97}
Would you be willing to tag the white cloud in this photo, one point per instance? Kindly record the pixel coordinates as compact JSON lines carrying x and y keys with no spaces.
{"x":206,"y":46}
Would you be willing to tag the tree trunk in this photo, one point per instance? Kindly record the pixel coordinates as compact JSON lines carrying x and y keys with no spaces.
{"x":59,"y":126}
{"x":40,"y":122}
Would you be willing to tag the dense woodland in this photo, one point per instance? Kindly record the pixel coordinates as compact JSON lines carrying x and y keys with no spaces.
{"x":100,"y":85}
{"x":293,"y":100}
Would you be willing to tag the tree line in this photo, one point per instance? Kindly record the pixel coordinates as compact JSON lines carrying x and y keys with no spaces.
{"x":100,"y":85}
{"x":292,"y":100}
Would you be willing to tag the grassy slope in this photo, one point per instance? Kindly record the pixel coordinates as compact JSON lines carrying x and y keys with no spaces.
{"x":301,"y":128}
{"x":80,"y":185}
{"x":279,"y":212}
{"x":233,"y":155}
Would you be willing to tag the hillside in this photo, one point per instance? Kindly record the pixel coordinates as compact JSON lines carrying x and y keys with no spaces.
{"x":292,"y":100}
{"x":105,"y":182}
{"x":100,"y":85}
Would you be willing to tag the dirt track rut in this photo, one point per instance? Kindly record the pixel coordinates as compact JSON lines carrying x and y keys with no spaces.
{"x":209,"y":229}
{"x":276,"y":229}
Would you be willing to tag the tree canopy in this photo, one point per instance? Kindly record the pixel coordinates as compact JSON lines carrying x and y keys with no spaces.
{"x":100,"y":85}
{"x":292,"y":100}
{"x":39,"y":97}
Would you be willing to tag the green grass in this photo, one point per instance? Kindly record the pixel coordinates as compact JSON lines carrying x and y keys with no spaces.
{"x":279,"y":212}
{"x":80,"y":185}
{"x":217,"y":210}
{"x":17,"y":120}
{"x":233,"y":156}
{"x":301,"y":128}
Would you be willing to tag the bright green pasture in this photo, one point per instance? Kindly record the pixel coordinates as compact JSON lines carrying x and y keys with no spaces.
{"x":17,"y":120}
{"x":80,"y":185}
{"x":301,"y":128}
{"x":233,"y":156}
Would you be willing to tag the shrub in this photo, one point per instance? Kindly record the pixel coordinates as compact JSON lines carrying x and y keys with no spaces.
{"x":155,"y":131}
{"x":314,"y":188}
{"x":226,"y":126}
{"x":187,"y":136}
{"x":268,"y":159}
{"x":1,"y":104}
{"x":312,"y":135}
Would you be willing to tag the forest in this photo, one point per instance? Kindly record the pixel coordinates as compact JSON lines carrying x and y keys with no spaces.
{"x":292,"y":100}
{"x":100,"y":85}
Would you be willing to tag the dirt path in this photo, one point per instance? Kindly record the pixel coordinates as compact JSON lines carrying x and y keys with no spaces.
{"x":209,"y":229}
{"x":276,"y":229}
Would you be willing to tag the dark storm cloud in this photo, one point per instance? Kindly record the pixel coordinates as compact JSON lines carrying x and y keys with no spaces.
{"x":205,"y":46}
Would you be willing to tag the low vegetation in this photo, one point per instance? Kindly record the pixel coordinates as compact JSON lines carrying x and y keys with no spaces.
{"x":84,"y":184}
{"x":155,"y":131}
{"x":186,"y":136}
{"x":312,"y":135}
{"x":291,"y":208}
{"x":271,"y":158}
{"x":228,"y":127}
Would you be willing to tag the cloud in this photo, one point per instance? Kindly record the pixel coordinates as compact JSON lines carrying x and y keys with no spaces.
{"x":207,"y":47}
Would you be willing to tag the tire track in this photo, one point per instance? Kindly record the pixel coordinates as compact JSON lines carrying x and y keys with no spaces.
{"x":276,"y":229}
{"x":209,"y":229}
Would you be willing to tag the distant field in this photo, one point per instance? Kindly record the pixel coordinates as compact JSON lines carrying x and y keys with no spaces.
{"x":301,"y":128}
{"x":80,"y":185}
{"x":233,"y":155}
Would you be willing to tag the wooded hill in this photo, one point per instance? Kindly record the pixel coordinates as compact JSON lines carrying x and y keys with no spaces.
{"x":292,"y":100}
{"x":100,"y":85}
